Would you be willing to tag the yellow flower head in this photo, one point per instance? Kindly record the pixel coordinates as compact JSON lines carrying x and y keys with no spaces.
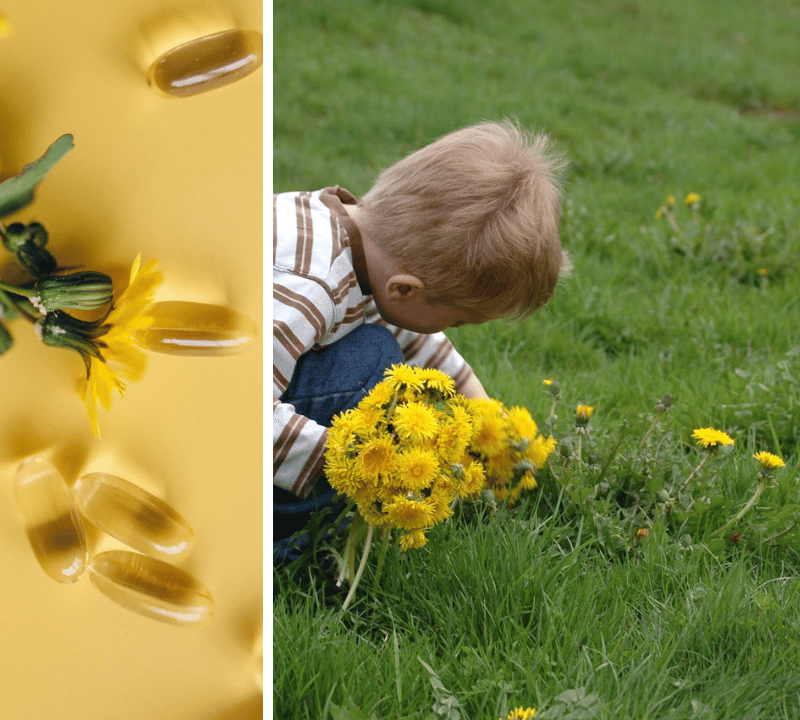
{"x":415,"y":422}
{"x":768,"y":461}
{"x":378,"y":456}
{"x":412,"y":539}
{"x":692,"y":198}
{"x":521,"y":423}
{"x":121,"y":359}
{"x":521,"y":713}
{"x":661,"y":212}
{"x":404,"y":375}
{"x":416,"y":469}
{"x":408,"y":514}
{"x":491,"y":436}
{"x":583,"y":413}
{"x":670,"y":200}
{"x":473,"y":478}
{"x":548,"y":381}
{"x":437,"y":380}
{"x":711,"y":438}
{"x":539,"y":450}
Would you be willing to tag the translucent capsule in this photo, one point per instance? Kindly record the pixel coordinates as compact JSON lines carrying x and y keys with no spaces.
{"x":188,"y":328}
{"x":207,"y":63}
{"x":51,"y":519}
{"x":133,"y":516}
{"x":151,"y":587}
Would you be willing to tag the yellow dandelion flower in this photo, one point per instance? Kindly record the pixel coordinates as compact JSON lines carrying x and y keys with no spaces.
{"x":404,"y":375}
{"x":490,"y":438}
{"x":343,"y":473}
{"x":768,"y":461}
{"x":549,"y":381}
{"x":540,"y":450}
{"x":437,"y":380}
{"x":412,"y":539}
{"x":416,"y":469}
{"x":763,"y":272}
{"x":692,"y":198}
{"x":440,"y":506}
{"x":521,"y":423}
{"x":642,"y":533}
{"x":415,"y":422}
{"x":473,"y":479}
{"x":670,"y":200}
{"x":455,"y":436}
{"x":583,"y":413}
{"x":528,"y":481}
{"x":521,"y":713}
{"x":380,"y":396}
{"x":378,"y":456}
{"x":121,"y":359}
{"x":711,"y":438}
{"x":661,"y":212}
{"x":408,"y":514}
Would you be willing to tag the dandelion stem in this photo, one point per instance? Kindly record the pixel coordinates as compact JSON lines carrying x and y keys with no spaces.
{"x":349,"y":552}
{"x":17,"y":290}
{"x":361,"y":566}
{"x":694,"y":472}
{"x":386,"y":535}
{"x":752,"y":501}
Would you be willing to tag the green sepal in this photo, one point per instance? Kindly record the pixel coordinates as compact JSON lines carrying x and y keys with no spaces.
{"x":18,"y":191}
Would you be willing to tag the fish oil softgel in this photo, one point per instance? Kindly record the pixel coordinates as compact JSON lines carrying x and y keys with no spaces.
{"x":189,"y":328}
{"x":151,"y":587}
{"x":133,"y":516}
{"x":207,"y":63}
{"x":51,"y":519}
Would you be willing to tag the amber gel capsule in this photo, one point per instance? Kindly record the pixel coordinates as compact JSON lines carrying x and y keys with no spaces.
{"x":207,"y":63}
{"x":133,"y":516}
{"x":51,"y":520}
{"x":151,"y":587}
{"x":189,"y":328}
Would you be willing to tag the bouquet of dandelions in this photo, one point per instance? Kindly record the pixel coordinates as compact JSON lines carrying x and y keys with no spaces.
{"x":412,"y":448}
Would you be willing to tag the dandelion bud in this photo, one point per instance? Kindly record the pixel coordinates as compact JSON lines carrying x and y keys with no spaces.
{"x":86,"y":290}
{"x":26,"y":243}
{"x":59,"y":329}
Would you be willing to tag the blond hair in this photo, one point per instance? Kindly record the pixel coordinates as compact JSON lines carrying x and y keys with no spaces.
{"x":475,"y":216}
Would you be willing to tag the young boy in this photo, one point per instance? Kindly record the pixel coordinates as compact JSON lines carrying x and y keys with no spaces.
{"x":464,"y":230}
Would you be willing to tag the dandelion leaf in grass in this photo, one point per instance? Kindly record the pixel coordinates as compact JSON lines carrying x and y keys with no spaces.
{"x":18,"y":191}
{"x":574,"y":704}
{"x":446,"y":705}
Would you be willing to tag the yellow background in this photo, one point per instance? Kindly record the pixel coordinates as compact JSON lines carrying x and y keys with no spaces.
{"x":179,"y":180}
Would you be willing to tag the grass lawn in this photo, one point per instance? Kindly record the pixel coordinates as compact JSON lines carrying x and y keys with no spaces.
{"x":614,"y":589}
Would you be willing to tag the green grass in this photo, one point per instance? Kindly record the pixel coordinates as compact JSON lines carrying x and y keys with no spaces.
{"x":556,"y":604}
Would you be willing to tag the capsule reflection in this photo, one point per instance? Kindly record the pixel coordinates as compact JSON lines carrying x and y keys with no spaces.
{"x":207,"y":63}
{"x":189,"y":328}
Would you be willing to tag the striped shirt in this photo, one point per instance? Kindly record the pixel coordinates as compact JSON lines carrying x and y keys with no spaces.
{"x":317,"y":301}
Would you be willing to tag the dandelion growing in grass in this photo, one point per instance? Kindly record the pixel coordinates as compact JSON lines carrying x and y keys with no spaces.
{"x":521,"y":713}
{"x":768,"y":464}
{"x":711,"y":439}
{"x":768,"y":461}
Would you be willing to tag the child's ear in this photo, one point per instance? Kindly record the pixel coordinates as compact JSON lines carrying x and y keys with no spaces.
{"x":404,"y":287}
